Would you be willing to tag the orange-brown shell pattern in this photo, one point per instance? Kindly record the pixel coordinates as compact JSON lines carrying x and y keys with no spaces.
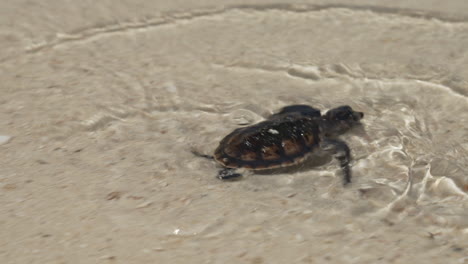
{"x":280,"y":141}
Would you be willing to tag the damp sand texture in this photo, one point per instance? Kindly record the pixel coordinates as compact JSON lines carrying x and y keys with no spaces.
{"x":101,"y":104}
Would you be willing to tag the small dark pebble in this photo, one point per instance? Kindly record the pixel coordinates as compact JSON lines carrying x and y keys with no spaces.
{"x":457,"y":249}
{"x":113,"y":196}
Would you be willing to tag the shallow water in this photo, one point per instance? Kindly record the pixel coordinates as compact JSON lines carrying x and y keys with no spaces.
{"x":102,"y":119}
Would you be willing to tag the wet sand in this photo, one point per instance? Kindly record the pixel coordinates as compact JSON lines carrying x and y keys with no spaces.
{"x":101,"y":104}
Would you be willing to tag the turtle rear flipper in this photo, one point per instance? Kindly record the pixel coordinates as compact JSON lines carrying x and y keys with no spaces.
{"x":201,"y":155}
{"x":229,"y":174}
{"x":223,"y":174}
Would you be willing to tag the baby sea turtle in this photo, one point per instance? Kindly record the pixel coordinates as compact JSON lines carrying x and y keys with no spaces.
{"x":287,"y":138}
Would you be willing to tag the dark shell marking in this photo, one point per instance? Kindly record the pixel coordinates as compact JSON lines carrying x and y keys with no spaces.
{"x":282,"y":140}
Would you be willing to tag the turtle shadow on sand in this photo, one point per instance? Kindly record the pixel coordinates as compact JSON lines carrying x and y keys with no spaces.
{"x":313,"y":162}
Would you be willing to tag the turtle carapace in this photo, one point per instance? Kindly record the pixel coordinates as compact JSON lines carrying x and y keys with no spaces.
{"x":287,"y":138}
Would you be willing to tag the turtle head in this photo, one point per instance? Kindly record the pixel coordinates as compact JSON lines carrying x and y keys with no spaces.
{"x":341,"y":119}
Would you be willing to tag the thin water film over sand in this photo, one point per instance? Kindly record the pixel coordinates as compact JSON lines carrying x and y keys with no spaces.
{"x":98,"y":119}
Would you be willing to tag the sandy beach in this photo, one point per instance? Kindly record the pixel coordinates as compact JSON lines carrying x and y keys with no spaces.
{"x":102,"y":102}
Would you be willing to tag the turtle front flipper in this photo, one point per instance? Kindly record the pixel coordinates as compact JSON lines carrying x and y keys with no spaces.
{"x":229,"y":174}
{"x":340,"y":150}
